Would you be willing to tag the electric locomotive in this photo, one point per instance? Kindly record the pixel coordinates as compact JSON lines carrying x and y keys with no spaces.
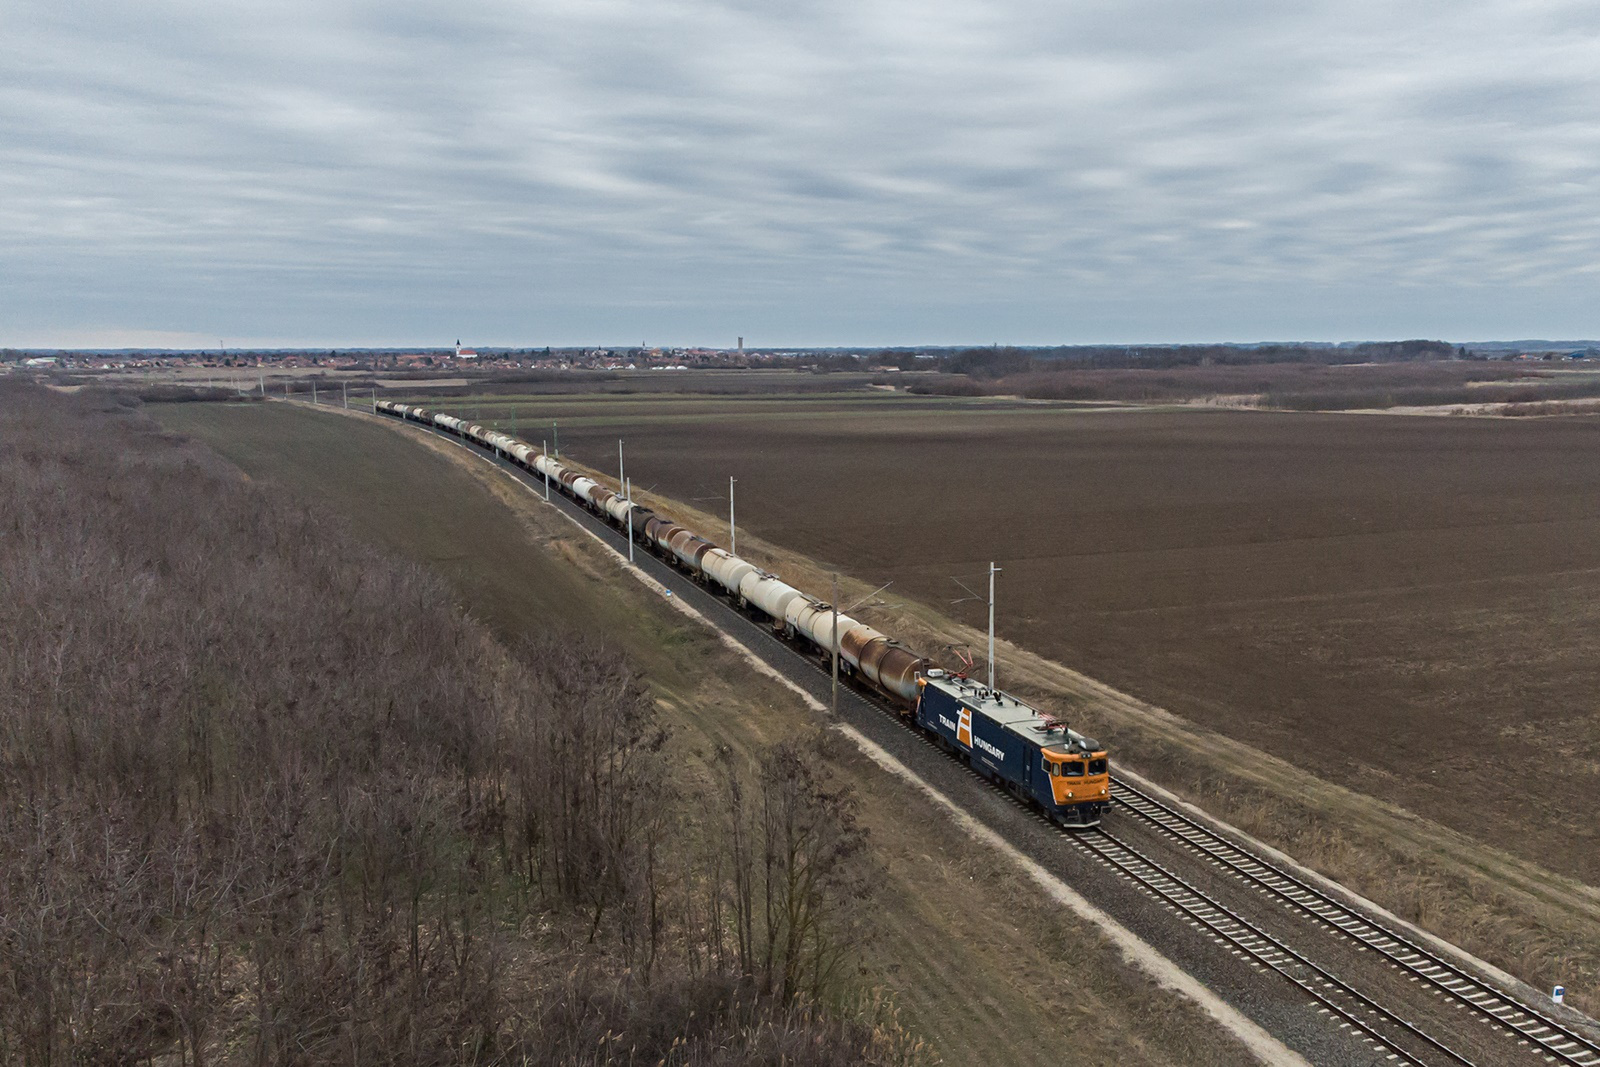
{"x":1036,"y":757}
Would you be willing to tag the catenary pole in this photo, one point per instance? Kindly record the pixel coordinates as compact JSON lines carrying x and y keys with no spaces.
{"x":993,"y":570}
{"x":627,"y":488}
{"x":546,"y":447}
{"x":733,"y":531}
{"x":622,"y":473}
{"x":346,"y":393}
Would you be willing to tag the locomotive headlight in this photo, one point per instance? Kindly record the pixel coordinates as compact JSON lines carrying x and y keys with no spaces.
{"x":1069,"y":794}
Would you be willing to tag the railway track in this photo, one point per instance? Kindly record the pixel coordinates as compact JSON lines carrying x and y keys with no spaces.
{"x":1546,"y":1034}
{"x":1401,"y":1040}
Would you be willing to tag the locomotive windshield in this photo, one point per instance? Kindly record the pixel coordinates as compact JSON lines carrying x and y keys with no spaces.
{"x":1097,"y":766}
{"x":1072,"y":768}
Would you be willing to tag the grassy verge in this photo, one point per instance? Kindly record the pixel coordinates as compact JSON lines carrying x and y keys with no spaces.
{"x":514,"y":561}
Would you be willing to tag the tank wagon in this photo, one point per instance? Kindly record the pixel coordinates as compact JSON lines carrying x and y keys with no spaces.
{"x":1041,"y":760}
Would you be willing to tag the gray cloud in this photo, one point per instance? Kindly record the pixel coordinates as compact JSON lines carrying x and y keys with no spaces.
{"x":874,"y":171}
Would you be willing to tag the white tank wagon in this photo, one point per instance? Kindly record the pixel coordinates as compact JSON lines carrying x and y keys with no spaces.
{"x":769,"y":594}
{"x":617,"y":509}
{"x":815,"y":621}
{"x":725,"y":569}
{"x":583,"y":488}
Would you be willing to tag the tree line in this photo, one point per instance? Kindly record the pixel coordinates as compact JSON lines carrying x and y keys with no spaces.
{"x":268,"y":796}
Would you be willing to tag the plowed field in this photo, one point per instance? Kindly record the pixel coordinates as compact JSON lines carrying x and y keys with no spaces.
{"x":1410,"y":606}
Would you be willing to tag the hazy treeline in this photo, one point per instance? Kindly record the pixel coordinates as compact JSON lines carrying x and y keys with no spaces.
{"x":1529,"y":397}
{"x":1000,"y":362}
{"x":1294,"y":385}
{"x":268,"y":797}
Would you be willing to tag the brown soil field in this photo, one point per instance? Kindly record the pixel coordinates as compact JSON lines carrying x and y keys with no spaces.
{"x":1407,"y":607}
{"x":517,"y":564}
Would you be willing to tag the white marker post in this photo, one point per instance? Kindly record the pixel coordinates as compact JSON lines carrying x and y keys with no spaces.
{"x":1559,"y":994}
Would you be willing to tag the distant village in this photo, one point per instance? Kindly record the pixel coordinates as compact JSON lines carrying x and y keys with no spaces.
{"x":461,"y":359}
{"x":457,"y":359}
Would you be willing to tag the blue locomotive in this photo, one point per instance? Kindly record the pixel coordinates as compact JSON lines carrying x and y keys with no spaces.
{"x":1036,"y":757}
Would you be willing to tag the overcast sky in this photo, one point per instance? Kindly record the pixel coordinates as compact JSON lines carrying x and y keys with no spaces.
{"x":851,"y":172}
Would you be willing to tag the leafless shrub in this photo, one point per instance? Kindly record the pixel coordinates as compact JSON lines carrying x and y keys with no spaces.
{"x":794,"y":873}
{"x":267,"y":796}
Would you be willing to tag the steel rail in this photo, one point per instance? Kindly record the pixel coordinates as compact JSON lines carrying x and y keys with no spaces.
{"x":1263,"y":947}
{"x":1491,"y":1003}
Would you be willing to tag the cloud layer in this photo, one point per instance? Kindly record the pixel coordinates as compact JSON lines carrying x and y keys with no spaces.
{"x":812,"y":172}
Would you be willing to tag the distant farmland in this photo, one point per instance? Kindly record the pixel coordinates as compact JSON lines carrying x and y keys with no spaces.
{"x":1408,"y":606}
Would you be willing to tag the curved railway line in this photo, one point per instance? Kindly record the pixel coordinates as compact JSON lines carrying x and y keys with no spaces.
{"x":1400,"y":1037}
{"x":1546,"y":1034}
{"x":1399,"y":1040}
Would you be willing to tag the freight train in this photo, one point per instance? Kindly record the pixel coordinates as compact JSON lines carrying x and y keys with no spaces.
{"x":1037,"y":757}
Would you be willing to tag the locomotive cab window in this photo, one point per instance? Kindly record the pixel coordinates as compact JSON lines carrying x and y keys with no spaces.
{"x":1073,"y":768}
{"x":1097,"y":766}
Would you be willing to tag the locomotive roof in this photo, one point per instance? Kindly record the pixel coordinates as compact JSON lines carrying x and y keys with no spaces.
{"x":1013,"y":714}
